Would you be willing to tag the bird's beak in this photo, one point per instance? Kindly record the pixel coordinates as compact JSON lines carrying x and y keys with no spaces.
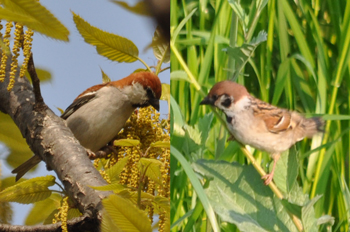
{"x":155,"y":103}
{"x":207,"y":101}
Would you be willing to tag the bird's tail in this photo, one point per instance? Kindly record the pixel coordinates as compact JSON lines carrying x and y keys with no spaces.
{"x":26,"y":166}
{"x":313,"y":126}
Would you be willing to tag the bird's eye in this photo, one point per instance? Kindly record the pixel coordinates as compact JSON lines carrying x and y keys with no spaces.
{"x":150,"y":92}
{"x":215,"y":97}
{"x":226,"y":102}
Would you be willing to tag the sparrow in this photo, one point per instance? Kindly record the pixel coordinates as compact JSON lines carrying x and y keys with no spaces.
{"x":98,"y":114}
{"x":258,"y":124}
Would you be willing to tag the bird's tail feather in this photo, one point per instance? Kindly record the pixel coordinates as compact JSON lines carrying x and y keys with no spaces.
{"x":313,"y":126}
{"x":26,"y":166}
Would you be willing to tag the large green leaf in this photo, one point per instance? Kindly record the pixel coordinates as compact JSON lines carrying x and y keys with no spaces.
{"x":33,"y":15}
{"x":29,"y":191}
{"x":239,"y":196}
{"x":121,"y":215}
{"x":112,"y":46}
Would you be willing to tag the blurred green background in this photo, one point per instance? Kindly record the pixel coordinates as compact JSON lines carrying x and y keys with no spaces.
{"x":293,"y":54}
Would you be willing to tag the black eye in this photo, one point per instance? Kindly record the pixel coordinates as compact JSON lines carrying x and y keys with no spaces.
{"x":150,"y":93}
{"x":214,"y":97}
{"x":226,"y":102}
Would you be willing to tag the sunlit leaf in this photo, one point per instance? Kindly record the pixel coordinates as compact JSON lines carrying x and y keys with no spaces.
{"x":35,"y":16}
{"x":126,"y":142}
{"x":29,"y":191}
{"x":152,"y":167}
{"x":105,"y":77}
{"x":140,"y":7}
{"x":42,"y":209}
{"x":11,"y":136}
{"x":43,"y":75}
{"x":121,"y":215}
{"x":163,"y":144}
{"x":114,"y":171}
{"x":110,"y":187}
{"x":112,"y":46}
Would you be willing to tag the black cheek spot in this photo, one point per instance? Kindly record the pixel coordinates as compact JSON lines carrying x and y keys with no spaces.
{"x":226,"y":103}
{"x":228,"y":119}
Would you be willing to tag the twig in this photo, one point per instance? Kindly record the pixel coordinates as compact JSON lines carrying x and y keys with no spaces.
{"x":39,"y":102}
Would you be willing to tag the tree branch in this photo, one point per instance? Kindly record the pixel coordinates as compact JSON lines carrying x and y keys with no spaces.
{"x":80,"y":224}
{"x":48,"y":137}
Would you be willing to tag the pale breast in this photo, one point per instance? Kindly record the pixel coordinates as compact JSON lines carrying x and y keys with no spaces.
{"x":96,"y":128}
{"x":249,"y":131}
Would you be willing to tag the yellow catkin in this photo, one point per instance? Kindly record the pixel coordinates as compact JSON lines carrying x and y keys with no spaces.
{"x":15,"y":53}
{"x":6,"y":40}
{"x":146,"y":126}
{"x":64,"y":214}
{"x":27,"y":48}
{"x":105,"y":176}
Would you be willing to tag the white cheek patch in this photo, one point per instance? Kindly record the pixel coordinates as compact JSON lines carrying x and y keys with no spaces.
{"x":240,"y":105}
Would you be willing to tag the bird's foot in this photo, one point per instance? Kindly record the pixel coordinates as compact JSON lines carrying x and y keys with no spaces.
{"x":102,"y":153}
{"x":268,"y":178}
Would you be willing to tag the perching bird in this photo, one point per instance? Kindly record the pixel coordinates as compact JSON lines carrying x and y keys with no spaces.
{"x":97,"y":115}
{"x":258,"y":124}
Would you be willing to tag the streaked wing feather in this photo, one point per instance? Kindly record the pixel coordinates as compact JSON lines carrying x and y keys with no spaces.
{"x":275,"y":119}
{"x":77,"y":104}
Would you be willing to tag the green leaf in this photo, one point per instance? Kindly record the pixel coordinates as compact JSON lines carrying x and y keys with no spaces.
{"x":29,"y":191}
{"x":179,"y":75}
{"x":121,"y":215}
{"x":181,"y":24}
{"x":116,"y":187}
{"x":112,"y":46}
{"x":243,"y":17}
{"x":203,"y":197}
{"x":114,"y":171}
{"x":325,"y":219}
{"x":14,"y":141}
{"x":163,"y":144}
{"x":162,"y":202}
{"x":308,"y":217}
{"x":36,"y":17}
{"x":152,"y":167}
{"x":176,"y":118}
{"x":165,"y":93}
{"x":43,"y":75}
{"x":161,"y":47}
{"x":239,"y":196}
{"x":42,"y":209}
{"x":286,"y":171}
{"x":126,"y":142}
{"x":242,"y":54}
{"x":105,"y":77}
{"x":293,"y":208}
{"x":140,"y":8}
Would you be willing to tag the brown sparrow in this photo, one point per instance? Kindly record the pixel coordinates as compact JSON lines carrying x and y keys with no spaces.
{"x":259,"y":124}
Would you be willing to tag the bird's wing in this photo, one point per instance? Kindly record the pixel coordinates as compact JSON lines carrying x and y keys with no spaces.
{"x":80,"y":101}
{"x":275,"y":119}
